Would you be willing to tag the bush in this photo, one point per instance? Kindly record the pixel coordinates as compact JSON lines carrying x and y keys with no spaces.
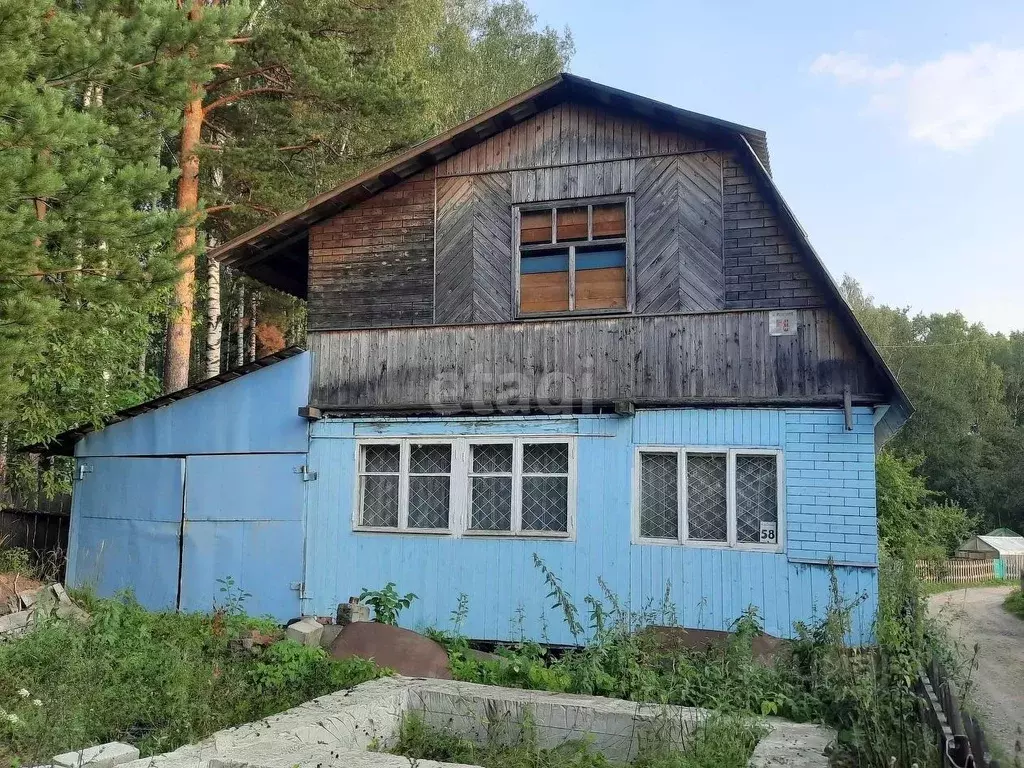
{"x":157,"y":680}
{"x":1015,"y":603}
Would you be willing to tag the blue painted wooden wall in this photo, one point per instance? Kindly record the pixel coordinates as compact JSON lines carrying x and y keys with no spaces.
{"x":830,"y":513}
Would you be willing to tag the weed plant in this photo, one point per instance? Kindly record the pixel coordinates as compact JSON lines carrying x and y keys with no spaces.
{"x":156,"y":680}
{"x":866,"y":694}
{"x":719,"y":742}
{"x":1014,"y":603}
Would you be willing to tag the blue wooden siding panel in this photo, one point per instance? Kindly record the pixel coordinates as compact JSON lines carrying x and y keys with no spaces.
{"x":125,"y":529}
{"x":709,"y":588}
{"x":256,"y":413}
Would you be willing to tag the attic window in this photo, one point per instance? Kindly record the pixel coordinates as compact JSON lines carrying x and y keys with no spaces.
{"x":574,"y":256}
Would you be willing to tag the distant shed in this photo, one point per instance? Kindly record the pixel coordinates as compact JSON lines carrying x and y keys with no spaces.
{"x":1000,"y":543}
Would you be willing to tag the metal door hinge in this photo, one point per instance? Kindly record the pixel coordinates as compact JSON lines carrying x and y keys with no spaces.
{"x":83,"y":470}
{"x":296,"y":586}
{"x":306,"y":472}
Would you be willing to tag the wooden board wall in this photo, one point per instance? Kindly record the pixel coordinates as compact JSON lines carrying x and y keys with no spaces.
{"x":679,"y":237}
{"x":566,"y":135}
{"x":725,"y":356}
{"x":473,"y":281}
{"x":706,"y":237}
{"x":373,"y":265}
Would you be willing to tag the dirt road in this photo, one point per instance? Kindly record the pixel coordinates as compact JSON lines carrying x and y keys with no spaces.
{"x":977,"y":616}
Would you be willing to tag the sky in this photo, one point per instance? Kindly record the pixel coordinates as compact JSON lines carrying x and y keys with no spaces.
{"x":896,"y":129}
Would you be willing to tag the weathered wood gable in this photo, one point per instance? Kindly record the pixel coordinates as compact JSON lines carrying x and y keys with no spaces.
{"x":437,"y":248}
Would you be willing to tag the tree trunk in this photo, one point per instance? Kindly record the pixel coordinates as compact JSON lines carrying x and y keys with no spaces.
{"x":250,"y":352}
{"x":214,"y":324}
{"x":240,"y":327}
{"x":179,"y":330}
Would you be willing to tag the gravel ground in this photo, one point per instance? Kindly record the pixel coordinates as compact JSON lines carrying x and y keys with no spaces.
{"x":977,"y":616}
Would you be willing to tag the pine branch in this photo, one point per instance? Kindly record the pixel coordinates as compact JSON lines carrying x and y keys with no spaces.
{"x":233,"y":97}
{"x":229,"y":206}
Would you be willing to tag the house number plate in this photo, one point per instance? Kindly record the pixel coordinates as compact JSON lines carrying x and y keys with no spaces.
{"x":782,"y":323}
{"x":768,"y":535}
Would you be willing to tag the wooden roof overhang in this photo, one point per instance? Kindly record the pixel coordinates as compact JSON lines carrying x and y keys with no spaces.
{"x":276,"y":252}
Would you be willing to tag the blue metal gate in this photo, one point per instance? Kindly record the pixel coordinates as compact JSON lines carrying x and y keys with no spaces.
{"x":243,"y":523}
{"x":126,"y":528}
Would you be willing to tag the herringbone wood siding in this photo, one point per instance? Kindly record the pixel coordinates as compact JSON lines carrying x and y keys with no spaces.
{"x":473,"y":244}
{"x":568,"y":134}
{"x":678,"y":225}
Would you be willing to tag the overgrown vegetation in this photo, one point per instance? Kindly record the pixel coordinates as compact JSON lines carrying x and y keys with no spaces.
{"x":866,"y":694}
{"x":719,"y":742}
{"x":387,"y":604}
{"x":1014,"y":603}
{"x":157,"y":680}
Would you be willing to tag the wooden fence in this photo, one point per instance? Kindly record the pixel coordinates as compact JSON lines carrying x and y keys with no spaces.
{"x":42,"y":530}
{"x":963,"y":571}
{"x":960,"y":739}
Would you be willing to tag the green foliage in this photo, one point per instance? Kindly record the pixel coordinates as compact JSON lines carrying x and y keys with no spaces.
{"x":387,"y":604}
{"x":719,"y":742}
{"x":966,"y":385}
{"x":1014,"y":603}
{"x":867,"y":694}
{"x":15,"y":560}
{"x":153,"y":679}
{"x":910,"y":522}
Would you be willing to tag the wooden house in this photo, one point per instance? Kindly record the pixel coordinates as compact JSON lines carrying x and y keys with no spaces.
{"x":585,"y":329}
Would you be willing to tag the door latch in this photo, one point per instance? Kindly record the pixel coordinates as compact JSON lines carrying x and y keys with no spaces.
{"x":83,"y":470}
{"x":306,"y":472}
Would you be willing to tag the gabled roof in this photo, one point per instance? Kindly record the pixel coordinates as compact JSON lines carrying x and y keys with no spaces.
{"x":1010,"y":545}
{"x":276,"y":252}
{"x":64,"y":443}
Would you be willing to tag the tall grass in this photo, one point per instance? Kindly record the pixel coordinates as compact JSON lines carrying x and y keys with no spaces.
{"x":156,"y":680}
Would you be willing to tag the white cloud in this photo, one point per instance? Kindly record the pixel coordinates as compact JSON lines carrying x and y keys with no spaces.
{"x":953,"y":101}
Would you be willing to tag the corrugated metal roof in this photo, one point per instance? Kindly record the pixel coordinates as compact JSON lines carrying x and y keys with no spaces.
{"x":1006,"y":545}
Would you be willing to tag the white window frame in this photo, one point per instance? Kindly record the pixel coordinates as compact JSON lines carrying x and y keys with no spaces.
{"x":516,"y":530}
{"x":405,"y":449}
{"x":553,"y":205}
{"x":460,"y":489}
{"x":731,"y":453}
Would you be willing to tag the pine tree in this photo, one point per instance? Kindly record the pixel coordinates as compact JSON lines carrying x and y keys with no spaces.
{"x":87,"y":90}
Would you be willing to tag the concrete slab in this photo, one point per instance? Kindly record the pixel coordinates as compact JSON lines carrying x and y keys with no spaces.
{"x":794,"y":745}
{"x":100,"y":756}
{"x":338,"y":730}
{"x":616,"y":728}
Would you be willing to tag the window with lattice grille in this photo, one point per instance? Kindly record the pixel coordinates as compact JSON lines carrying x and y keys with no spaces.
{"x":518,"y":486}
{"x":720,"y":498}
{"x":405,"y":485}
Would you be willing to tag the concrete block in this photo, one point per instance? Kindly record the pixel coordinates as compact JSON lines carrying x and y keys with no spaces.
{"x":796,"y":745}
{"x":331,"y":632}
{"x":30,"y":596}
{"x":101,"y":756}
{"x":352,"y":611}
{"x":15,"y":623}
{"x":305,"y":631}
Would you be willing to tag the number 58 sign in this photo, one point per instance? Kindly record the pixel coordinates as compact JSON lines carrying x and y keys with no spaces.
{"x":768,"y":534}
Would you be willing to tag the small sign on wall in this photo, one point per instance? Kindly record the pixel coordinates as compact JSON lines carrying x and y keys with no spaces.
{"x":768,"y":533}
{"x":782,"y":322}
